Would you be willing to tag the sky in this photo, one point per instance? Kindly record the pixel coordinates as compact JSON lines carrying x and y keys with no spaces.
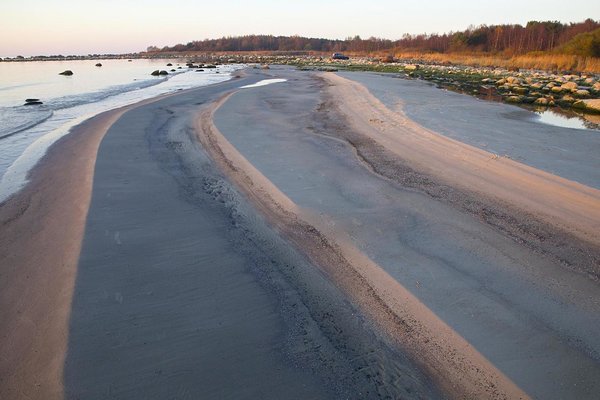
{"x":46,"y":27}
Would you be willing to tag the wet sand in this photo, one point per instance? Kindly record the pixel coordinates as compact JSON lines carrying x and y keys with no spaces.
{"x":512,"y":300}
{"x":262,"y":243}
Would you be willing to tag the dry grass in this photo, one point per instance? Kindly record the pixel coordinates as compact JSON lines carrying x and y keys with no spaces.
{"x":547,"y":62}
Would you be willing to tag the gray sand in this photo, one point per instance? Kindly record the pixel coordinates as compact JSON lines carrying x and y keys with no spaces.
{"x":183,"y":291}
{"x":534,"y":320}
{"x":498,"y":128}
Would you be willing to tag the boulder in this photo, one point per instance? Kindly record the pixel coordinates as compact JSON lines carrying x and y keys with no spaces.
{"x":501,"y":82}
{"x":66,"y":73}
{"x":155,"y":73}
{"x":582,"y":93}
{"x":163,"y":72}
{"x":592,"y":105}
{"x":542,"y":101}
{"x":569,"y":86}
{"x":513,"y":80}
{"x":98,"y":64}
{"x":173,"y":70}
{"x":169,"y":65}
{"x":556,"y":89}
{"x":596,"y":86}
{"x":31,"y":100}
{"x":520,"y":90}
{"x":514,"y":99}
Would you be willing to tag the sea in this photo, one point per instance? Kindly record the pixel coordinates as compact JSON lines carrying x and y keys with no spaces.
{"x":27,"y":131}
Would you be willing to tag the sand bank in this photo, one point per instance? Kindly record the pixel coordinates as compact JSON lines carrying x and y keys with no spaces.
{"x":41,"y":236}
{"x":497,"y":293}
{"x":458,"y":368}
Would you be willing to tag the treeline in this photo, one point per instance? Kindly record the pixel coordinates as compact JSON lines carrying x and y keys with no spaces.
{"x":536,"y":36}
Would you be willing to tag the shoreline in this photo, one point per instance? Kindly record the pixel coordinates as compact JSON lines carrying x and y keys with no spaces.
{"x":43,"y":225}
{"x":37,"y":220}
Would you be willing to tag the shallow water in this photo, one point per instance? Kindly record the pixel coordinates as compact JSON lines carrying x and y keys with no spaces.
{"x":552,"y":117}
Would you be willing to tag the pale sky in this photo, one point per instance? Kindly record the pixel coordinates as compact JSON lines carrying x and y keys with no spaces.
{"x":43,"y":27}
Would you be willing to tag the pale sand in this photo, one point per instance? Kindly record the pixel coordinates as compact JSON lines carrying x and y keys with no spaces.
{"x":41,"y":237}
{"x":567,"y":205}
{"x":456,"y":366}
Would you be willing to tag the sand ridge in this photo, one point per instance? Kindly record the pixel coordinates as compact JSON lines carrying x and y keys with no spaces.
{"x":455,"y":365}
{"x":41,"y":239}
{"x":565,"y":204}
{"x":39,"y":271}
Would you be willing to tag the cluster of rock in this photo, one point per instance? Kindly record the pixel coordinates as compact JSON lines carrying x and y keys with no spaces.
{"x":548,"y":89}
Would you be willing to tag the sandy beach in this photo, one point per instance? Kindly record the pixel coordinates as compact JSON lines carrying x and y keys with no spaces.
{"x":299,"y":239}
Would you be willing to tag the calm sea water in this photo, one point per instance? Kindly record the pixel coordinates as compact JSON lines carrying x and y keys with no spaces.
{"x":27,"y":131}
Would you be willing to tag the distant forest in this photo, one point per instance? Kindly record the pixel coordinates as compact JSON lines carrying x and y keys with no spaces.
{"x":581,"y":38}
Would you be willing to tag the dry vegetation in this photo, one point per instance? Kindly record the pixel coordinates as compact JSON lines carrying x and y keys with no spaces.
{"x":547,"y":62}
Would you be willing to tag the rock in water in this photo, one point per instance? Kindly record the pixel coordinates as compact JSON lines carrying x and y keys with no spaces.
{"x":163,"y":72}
{"x":99,"y":65}
{"x":67,"y":73}
{"x":32,"y":102}
{"x":155,"y":73}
